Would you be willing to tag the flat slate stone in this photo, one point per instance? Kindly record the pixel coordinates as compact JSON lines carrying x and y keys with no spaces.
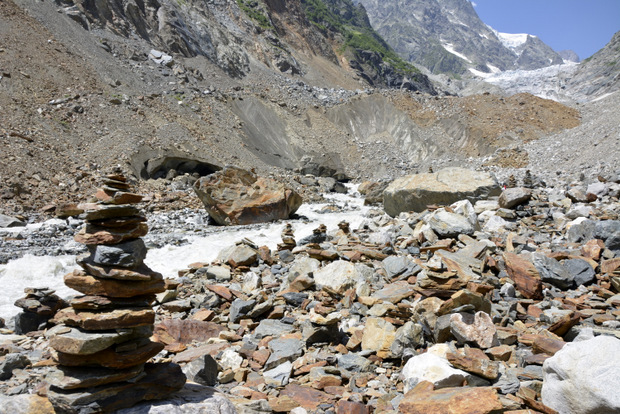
{"x":94,"y":211}
{"x":91,"y":234}
{"x":113,"y":288}
{"x":70,"y":378}
{"x":78,"y":342}
{"x":159,"y":381}
{"x":141,"y":273}
{"x":114,"y":319}
{"x":109,"y":358}
{"x":103,"y":302}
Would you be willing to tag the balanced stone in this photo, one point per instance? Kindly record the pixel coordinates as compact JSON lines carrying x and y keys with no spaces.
{"x":91,"y":234}
{"x":103,"y":302}
{"x":140,"y":273}
{"x":112,"y":358}
{"x":128,"y":254}
{"x":93,"y":211}
{"x":68,"y":378}
{"x":90,"y":285}
{"x":78,"y":342}
{"x":114,"y":319}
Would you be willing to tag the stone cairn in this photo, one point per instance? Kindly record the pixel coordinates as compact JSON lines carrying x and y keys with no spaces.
{"x":102,"y":341}
{"x":512,"y":181}
{"x":288,"y":238}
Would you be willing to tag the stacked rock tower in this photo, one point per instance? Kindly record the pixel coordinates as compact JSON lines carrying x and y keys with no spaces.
{"x":102,"y":341}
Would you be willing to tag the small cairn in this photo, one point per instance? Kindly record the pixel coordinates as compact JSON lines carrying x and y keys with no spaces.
{"x":512,"y":181}
{"x":39,"y":305}
{"x":102,"y":341}
{"x":288,"y":238}
{"x":528,"y":181}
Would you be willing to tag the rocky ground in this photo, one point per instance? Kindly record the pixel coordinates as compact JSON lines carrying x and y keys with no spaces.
{"x":504,"y":301}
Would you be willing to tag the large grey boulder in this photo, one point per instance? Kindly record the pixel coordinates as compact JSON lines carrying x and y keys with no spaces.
{"x":416,"y":192}
{"x":584,"y":377}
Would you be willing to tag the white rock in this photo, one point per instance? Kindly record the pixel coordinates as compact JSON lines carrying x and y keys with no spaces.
{"x":230,"y":359}
{"x":584,"y":377}
{"x":430,"y":367}
{"x":338,"y":275}
{"x":466,"y":209}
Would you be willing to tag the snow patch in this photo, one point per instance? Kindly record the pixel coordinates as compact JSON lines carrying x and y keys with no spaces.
{"x":513,"y":40}
{"x":450,"y":48}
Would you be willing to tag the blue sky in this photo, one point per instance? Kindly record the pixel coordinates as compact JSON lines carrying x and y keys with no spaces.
{"x":584,"y":26}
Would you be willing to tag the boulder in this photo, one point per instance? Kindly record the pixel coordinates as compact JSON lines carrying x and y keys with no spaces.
{"x":416,"y":192}
{"x":235,"y":197}
{"x":584,"y":377}
{"x":512,"y":197}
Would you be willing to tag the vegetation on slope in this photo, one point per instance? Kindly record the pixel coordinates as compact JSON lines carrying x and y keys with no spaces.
{"x":351,"y":22}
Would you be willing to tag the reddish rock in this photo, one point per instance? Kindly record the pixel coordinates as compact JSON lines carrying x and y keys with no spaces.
{"x":307,"y":397}
{"x":474,"y":360}
{"x":142,"y":273}
{"x":90,"y":285}
{"x":526,"y":277}
{"x":351,"y":407}
{"x":185,"y":331}
{"x":424,"y":400}
{"x":91,"y":234}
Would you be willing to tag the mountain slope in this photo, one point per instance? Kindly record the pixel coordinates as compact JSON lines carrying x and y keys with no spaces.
{"x":598,"y":75}
{"x":447,"y":36}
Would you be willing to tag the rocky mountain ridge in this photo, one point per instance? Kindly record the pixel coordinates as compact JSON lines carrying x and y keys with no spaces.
{"x":448,"y":37}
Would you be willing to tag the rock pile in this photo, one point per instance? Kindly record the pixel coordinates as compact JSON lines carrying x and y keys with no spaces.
{"x":39,"y":305}
{"x":494,"y":306}
{"x":102,"y":341}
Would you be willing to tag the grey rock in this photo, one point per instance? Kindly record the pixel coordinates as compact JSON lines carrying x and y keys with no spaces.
{"x":192,"y":399}
{"x":416,"y":192}
{"x":272,"y":327}
{"x":239,"y":308}
{"x":129,"y":254}
{"x":446,"y":224}
{"x":552,"y":271}
{"x":283,"y":350}
{"x":354,"y":363}
{"x":584,"y":377}
{"x":512,"y":197}
{"x":11,"y":362}
{"x":410,"y":335}
{"x":280,"y":375}
{"x":8,"y":221}
{"x":202,"y":370}
{"x":581,"y":270}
